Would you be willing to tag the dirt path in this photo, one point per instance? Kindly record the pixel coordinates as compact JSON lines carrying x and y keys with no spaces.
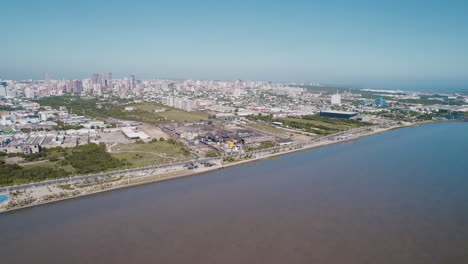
{"x":147,"y":152}
{"x":33,"y":162}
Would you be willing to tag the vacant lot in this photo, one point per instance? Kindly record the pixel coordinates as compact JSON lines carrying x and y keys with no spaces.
{"x":314,"y":124}
{"x":153,"y":131}
{"x":328,"y":124}
{"x":171,"y":114}
{"x":152,"y":153}
{"x":113,"y":137}
{"x":270,"y":129}
{"x":144,"y":111}
{"x":50,"y":164}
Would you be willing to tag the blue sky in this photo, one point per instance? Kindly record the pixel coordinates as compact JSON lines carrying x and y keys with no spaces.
{"x":364,"y":43}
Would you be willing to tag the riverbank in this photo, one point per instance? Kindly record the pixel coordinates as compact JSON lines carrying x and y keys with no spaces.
{"x":184,"y":173}
{"x":328,"y":199}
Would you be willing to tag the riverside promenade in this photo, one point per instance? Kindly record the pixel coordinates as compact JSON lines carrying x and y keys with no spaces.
{"x":50,"y":191}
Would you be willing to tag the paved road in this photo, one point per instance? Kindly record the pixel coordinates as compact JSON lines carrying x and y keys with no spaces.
{"x":182,"y":163}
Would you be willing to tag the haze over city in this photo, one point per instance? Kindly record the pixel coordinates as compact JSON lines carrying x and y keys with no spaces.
{"x":234,"y":132}
{"x":370,"y":44}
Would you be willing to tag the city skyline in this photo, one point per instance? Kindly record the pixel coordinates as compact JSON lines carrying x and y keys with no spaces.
{"x":214,"y":131}
{"x":431,"y":86}
{"x":360,"y":44}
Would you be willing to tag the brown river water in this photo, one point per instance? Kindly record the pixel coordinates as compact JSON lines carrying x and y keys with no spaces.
{"x":397,"y":197}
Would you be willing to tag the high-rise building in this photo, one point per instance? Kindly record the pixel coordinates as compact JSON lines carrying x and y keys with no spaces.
{"x":97,"y":89}
{"x":187,"y":105}
{"x":169,"y":101}
{"x":29,"y":93}
{"x":180,"y":103}
{"x":95,"y":78}
{"x":77,"y":86}
{"x":47,"y":83}
{"x":102,"y":81}
{"x":110,"y":82}
{"x":3,"y":91}
{"x":132,"y":82}
{"x":336,"y":99}
{"x":68,"y":86}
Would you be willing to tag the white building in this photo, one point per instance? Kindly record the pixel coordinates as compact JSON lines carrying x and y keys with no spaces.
{"x":169,"y":101}
{"x":133,"y":133}
{"x":180,"y":103}
{"x":29,"y":93}
{"x":6,"y":120}
{"x":336,"y":99}
{"x":187,"y":105}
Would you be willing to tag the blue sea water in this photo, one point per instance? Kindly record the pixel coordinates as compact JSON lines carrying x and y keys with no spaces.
{"x":395,"y":197}
{"x":420,"y":86}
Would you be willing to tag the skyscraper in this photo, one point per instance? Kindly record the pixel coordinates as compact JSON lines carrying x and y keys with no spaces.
{"x":102,"y":81}
{"x":110,"y":81}
{"x":77,"y":86}
{"x":95,"y":78}
{"x":132,"y":82}
{"x":68,"y":86}
{"x":47,"y":82}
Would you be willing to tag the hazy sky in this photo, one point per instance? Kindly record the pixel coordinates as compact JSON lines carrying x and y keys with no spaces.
{"x":365,"y":43}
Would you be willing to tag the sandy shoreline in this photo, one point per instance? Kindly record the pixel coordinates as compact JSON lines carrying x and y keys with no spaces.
{"x":222,"y":167}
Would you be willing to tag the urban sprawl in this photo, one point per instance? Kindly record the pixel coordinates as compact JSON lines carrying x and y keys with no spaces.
{"x":65,"y":138}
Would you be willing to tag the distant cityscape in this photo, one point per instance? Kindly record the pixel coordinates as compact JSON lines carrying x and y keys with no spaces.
{"x":228,"y":132}
{"x":224,"y":100}
{"x":178,"y":93}
{"x":65,"y":138}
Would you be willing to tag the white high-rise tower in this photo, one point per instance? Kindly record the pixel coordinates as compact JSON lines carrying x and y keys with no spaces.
{"x":336,"y":99}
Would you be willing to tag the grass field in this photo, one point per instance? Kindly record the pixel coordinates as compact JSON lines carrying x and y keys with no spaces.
{"x":134,"y":155}
{"x":144,"y":113}
{"x":50,"y":164}
{"x":270,"y":129}
{"x":152,"y":153}
{"x":314,"y":123}
{"x":331,"y":124}
{"x":170,"y":113}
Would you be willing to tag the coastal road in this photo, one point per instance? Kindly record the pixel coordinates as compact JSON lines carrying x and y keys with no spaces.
{"x":276,"y":150}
